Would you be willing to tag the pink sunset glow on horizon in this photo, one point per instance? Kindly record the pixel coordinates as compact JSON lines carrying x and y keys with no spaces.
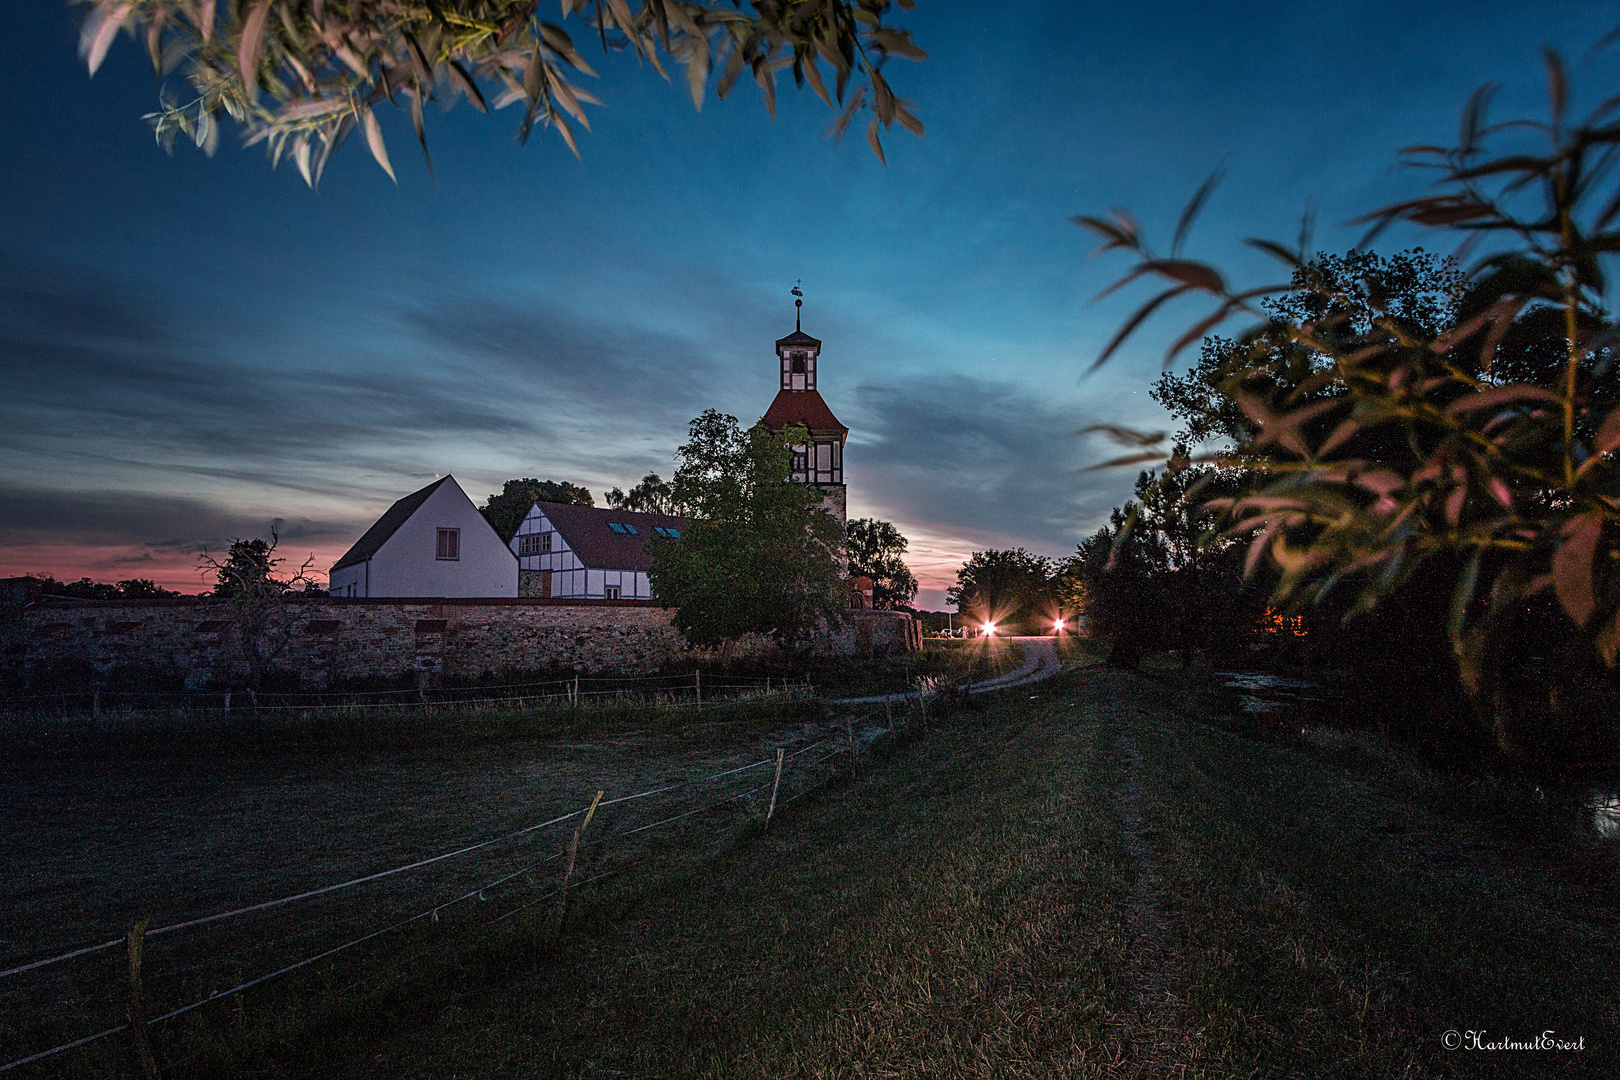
{"x":169,"y":569}
{"x":933,"y":557}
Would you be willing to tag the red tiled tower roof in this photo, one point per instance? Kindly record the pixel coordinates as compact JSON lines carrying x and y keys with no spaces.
{"x":803,"y":407}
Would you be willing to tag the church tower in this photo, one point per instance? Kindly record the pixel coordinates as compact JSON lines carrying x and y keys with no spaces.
{"x":821,"y":462}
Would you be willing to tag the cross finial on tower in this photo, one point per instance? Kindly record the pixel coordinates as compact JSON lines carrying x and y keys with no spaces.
{"x":798,"y":303}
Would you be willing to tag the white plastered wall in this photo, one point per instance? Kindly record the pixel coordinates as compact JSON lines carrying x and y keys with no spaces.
{"x":407,"y":564}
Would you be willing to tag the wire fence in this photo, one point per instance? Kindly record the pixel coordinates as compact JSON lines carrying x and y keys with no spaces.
{"x":502,"y":872}
{"x":697,"y":688}
{"x":681,"y":678}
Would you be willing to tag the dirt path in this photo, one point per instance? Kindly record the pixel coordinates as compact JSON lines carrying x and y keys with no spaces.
{"x":1156,"y":1026}
{"x":1040,"y":662}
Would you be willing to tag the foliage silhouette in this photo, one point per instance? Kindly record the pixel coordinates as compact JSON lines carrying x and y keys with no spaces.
{"x":301,"y":76}
{"x":758,"y":554}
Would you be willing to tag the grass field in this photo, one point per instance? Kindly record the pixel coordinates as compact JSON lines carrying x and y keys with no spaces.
{"x":67,"y":730}
{"x":1080,"y":878}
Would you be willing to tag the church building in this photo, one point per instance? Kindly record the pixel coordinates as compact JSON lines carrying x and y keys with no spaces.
{"x":821,"y":462}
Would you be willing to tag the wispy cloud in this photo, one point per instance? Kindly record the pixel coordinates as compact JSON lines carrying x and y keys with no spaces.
{"x":92,"y":362}
{"x":157,"y":431}
{"x":977,"y":458}
{"x":591,"y":368}
{"x":148,"y":433}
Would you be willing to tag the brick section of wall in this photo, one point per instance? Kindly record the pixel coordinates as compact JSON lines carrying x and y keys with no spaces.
{"x":873,"y":632}
{"x":332,"y":642}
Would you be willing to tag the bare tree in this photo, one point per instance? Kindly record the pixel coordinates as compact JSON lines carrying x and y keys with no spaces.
{"x":247,"y":579}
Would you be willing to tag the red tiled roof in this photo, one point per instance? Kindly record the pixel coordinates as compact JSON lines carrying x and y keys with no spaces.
{"x":585,"y":530}
{"x":803,"y":407}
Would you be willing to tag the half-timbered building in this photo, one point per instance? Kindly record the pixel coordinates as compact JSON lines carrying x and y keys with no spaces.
{"x":821,"y":461}
{"x":565,"y":550}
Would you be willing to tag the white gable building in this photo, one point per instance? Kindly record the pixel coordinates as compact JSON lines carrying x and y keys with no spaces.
{"x":433,"y":542}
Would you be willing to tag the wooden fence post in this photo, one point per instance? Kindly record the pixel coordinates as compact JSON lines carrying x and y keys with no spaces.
{"x":922,"y":703}
{"x":697,"y":685}
{"x":137,"y":1003}
{"x":770,"y":811}
{"x":888,"y":714}
{"x":849,"y":723}
{"x":95,"y":707}
{"x":568,"y":869}
{"x":227,"y":703}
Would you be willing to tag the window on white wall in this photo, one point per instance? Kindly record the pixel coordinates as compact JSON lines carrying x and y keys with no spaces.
{"x":450,"y":544}
{"x":534,"y":543}
{"x":610,"y":592}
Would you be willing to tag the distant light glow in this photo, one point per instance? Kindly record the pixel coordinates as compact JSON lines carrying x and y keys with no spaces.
{"x":1057,"y":624}
{"x":989,"y":629}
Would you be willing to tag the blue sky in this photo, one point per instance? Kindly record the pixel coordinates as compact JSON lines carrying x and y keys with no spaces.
{"x":193,"y":348}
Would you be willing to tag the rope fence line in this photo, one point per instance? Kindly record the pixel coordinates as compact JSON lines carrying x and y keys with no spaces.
{"x":323,"y":890}
{"x":681,"y":680}
{"x":827,"y":757}
{"x":689,"y":813}
{"x":307,"y":894}
{"x":433,"y":912}
{"x":819,"y":783}
{"x":672,"y":682}
{"x":719,"y":701}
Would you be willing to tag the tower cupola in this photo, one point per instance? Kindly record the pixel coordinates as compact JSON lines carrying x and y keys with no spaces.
{"x":798,"y":404}
{"x":798,"y":353}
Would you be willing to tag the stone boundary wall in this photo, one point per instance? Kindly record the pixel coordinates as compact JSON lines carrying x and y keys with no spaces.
{"x":198,"y":643}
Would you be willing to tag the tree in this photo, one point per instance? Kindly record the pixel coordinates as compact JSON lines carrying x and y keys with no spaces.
{"x":144,"y":589}
{"x":651,"y":496}
{"x":1008,"y":586}
{"x":506,"y":511}
{"x":758,"y":554}
{"x":1407,"y":458}
{"x":248,"y":569}
{"x":300,"y":76}
{"x":875,"y":551}
{"x":1416,"y":290}
{"x":85,"y":589}
{"x":1154,"y":577}
{"x":247,"y":578}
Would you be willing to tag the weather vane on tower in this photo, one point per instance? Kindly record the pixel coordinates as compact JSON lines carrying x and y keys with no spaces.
{"x":798,"y":302}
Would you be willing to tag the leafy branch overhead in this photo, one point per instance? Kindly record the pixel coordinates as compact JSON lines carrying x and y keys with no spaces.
{"x":1475,"y":429}
{"x":301,"y":76}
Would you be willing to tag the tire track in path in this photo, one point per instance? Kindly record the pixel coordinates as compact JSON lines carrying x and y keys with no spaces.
{"x":1154,"y":1027}
{"x":1040,"y":662}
